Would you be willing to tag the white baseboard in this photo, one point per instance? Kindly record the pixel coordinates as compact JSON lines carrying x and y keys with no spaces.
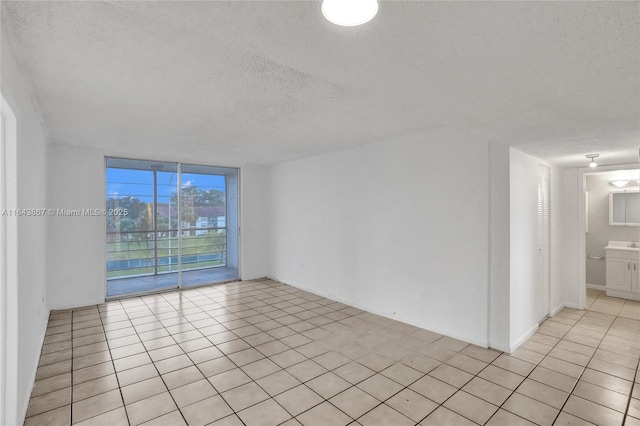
{"x":597,"y":287}
{"x":516,"y":344}
{"x":558,"y":309}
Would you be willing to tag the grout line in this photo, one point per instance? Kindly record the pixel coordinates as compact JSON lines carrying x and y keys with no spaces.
{"x":633,"y":384}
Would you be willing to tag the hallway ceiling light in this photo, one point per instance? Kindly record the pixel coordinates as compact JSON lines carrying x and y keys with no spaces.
{"x":592,"y":157}
{"x":349,"y":13}
{"x":619,"y":183}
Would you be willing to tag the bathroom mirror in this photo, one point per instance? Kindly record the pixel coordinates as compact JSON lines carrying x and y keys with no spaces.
{"x":624,"y":208}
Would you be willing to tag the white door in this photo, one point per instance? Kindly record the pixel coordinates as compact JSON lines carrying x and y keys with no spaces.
{"x":619,"y":274}
{"x":543,"y":243}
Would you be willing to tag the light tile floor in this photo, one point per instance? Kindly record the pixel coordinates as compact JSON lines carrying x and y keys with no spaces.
{"x":264,"y":353}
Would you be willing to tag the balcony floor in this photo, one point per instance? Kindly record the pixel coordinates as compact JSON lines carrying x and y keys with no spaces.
{"x":122,"y":286}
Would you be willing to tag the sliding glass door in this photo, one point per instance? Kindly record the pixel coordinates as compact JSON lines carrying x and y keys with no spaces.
{"x":169,"y":225}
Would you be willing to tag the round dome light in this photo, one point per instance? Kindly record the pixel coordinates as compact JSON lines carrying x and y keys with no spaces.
{"x":349,"y":13}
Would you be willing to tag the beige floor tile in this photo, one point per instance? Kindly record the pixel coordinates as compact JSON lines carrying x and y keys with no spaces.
{"x":126,"y":351}
{"x":634,"y":408}
{"x":566,"y":419}
{"x":193,"y":392}
{"x":306,"y":370}
{"x":244,"y":396}
{"x":515,"y":365}
{"x":531,"y":409}
{"x":94,"y":387}
{"x":466,"y":363}
{"x":278,"y":382}
{"x":451,"y":375}
{"x":172,"y":364}
{"x":136,"y":374}
{"x":54,"y":369}
{"x":142,"y":390}
{"x":261,"y":368}
{"x":380,"y":387}
{"x":560,"y":366}
{"x":182,"y":377}
{"x":90,"y":349}
{"x":216,"y":366}
{"x":527,"y":355}
{"x":165,"y":352}
{"x":92,"y":359}
{"x":383,"y":415}
{"x":505,"y":418}
{"x":332,"y":360}
{"x":204,"y":354}
{"x":117,"y":417}
{"x":132,"y":361}
{"x":329,"y":384}
{"x":288,"y":358}
{"x":632,"y":421}
{"x":323,"y":415}
{"x":420,"y":362}
{"x":51,"y":384}
{"x":592,"y":412}
{"x":173,"y":418}
{"x":471,"y":407}
{"x":543,"y":393}
{"x":576,"y":348}
{"x":298,"y":399}
{"x":150,"y":408}
{"x":552,"y":378}
{"x":602,"y":396}
{"x":57,"y":417}
{"x":229,"y":380}
{"x":353,"y":372}
{"x":483,"y":354}
{"x":434,"y":389}
{"x":206,"y":411}
{"x":55,"y":357}
{"x":402,"y":374}
{"x":49,"y":401}
{"x":613,"y":369}
{"x":572,"y":357}
{"x":490,"y":392}
{"x":266,"y":413}
{"x":411,"y":404}
{"x":96,"y":405}
{"x":444,"y":416}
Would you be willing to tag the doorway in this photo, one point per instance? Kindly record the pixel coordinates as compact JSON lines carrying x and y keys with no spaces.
{"x":612,"y":218}
{"x":591,"y":256}
{"x":8,"y":267}
{"x":169,"y":225}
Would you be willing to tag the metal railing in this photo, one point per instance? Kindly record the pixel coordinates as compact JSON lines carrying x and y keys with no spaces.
{"x":137,"y":253}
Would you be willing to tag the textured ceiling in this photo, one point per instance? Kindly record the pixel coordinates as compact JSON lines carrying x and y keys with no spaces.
{"x":261,"y":82}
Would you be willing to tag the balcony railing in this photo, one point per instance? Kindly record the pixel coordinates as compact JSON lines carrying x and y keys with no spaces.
{"x":137,"y":253}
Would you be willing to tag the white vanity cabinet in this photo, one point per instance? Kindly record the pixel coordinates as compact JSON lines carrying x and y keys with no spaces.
{"x":623,"y":272}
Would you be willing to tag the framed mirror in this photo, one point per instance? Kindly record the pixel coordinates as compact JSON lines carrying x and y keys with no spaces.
{"x":624,"y":208}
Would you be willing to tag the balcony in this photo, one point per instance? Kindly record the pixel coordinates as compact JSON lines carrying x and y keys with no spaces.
{"x":143,"y":261}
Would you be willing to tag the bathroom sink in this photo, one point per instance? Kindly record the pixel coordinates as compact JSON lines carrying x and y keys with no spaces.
{"x":623,"y":245}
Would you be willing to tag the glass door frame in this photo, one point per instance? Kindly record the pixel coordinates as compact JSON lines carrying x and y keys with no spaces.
{"x":180,"y":285}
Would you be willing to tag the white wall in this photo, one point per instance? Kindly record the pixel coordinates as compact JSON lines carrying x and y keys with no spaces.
{"x":254,"y":224}
{"x":31,"y":167}
{"x":528,"y":302}
{"x":574,"y":294}
{"x":76,"y":244}
{"x":500,"y":249}
{"x":399,"y":228}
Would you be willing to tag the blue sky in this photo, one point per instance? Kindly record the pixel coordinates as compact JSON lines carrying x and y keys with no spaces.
{"x":139,"y":183}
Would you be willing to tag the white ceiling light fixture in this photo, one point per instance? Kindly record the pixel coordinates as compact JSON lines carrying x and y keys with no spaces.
{"x":593,"y":157}
{"x":619,"y":183}
{"x":349,"y":13}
